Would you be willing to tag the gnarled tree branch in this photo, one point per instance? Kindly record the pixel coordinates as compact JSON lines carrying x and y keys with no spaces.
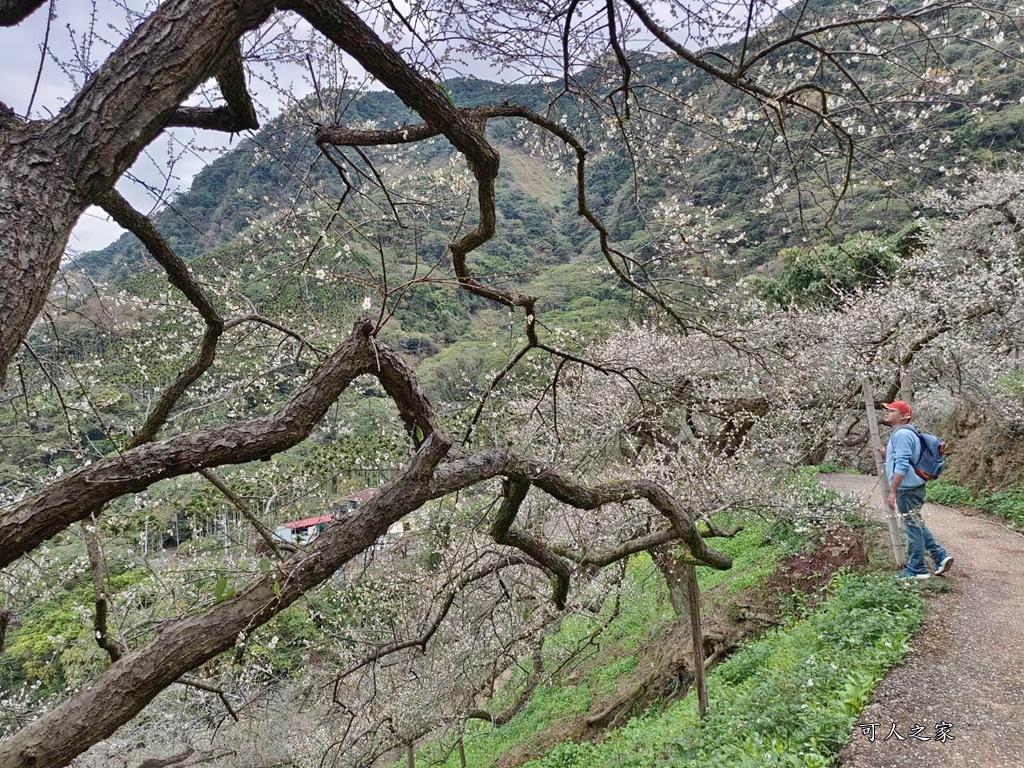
{"x":238,"y":114}
{"x":15,"y":11}
{"x":77,"y":496}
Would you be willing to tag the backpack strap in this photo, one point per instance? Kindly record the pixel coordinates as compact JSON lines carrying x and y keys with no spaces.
{"x":920,"y":440}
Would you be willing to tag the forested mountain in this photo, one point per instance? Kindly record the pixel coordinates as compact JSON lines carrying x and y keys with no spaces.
{"x":280,"y":167}
{"x":279,"y":178}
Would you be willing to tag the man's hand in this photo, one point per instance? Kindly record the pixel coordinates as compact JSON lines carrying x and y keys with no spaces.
{"x":881,"y":450}
{"x":891,"y":499}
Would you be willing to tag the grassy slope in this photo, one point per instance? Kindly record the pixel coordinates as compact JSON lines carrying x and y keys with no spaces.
{"x":645,"y":615}
{"x":764,"y":710}
{"x":787,"y":699}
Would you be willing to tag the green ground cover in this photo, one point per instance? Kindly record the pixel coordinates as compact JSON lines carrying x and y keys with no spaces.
{"x":644,"y":613}
{"x":1007,"y":504}
{"x":790,"y":698}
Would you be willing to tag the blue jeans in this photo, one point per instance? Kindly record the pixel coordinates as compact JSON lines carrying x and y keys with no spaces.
{"x":919,"y":539}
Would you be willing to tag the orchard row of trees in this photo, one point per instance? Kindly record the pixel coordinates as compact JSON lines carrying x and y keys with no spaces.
{"x":574,"y":457}
{"x":403,"y":646}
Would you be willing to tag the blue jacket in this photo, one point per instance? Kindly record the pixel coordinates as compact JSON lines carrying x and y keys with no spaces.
{"x":903,"y":450}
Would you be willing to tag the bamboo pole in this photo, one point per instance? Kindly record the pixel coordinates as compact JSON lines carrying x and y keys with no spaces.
{"x":693,"y":597}
{"x":895,"y":537}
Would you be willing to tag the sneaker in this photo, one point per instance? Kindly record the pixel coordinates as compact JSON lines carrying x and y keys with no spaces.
{"x":945,"y":565}
{"x":905,"y":574}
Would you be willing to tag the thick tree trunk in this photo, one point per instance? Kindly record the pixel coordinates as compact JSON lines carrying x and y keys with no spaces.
{"x":51,"y":171}
{"x":677,"y":567}
{"x":671,"y":563}
{"x":38,"y":208}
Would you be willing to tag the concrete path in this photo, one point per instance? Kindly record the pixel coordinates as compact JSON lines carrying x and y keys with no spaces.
{"x":964,"y":677}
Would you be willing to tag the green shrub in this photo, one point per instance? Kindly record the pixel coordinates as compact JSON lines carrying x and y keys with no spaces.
{"x":830,"y":467}
{"x":949,"y":493}
{"x":823,"y":276}
{"x":1008,"y":504}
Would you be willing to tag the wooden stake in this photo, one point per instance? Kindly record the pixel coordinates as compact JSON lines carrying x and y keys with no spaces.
{"x":906,"y":387}
{"x":895,"y":537}
{"x":693,"y":596}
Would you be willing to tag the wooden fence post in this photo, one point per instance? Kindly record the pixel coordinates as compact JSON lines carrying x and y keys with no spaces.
{"x":693,"y":596}
{"x":906,"y":386}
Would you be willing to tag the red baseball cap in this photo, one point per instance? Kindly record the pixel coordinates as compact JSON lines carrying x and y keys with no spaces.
{"x":899,"y":405}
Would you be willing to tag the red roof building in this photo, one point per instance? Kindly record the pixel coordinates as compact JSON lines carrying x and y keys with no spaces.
{"x":360,"y":497}
{"x":308,"y":522}
{"x":307,"y":529}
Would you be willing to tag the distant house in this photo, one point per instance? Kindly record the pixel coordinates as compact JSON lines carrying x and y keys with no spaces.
{"x":303,"y":530}
{"x":359,"y":498}
{"x":307,"y":529}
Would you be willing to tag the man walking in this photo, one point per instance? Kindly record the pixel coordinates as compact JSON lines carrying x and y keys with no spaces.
{"x":906,"y":493}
